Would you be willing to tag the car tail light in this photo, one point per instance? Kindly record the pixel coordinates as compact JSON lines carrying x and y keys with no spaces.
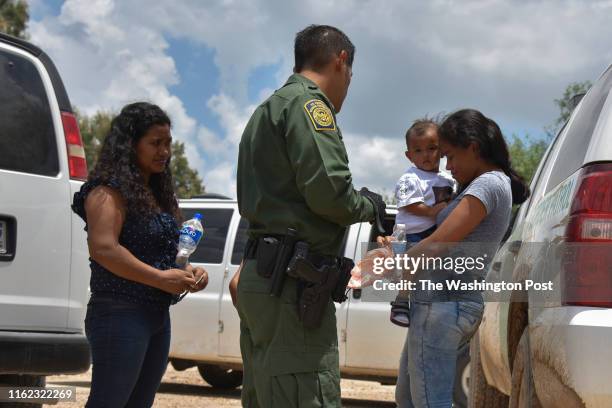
{"x":76,"y":153}
{"x":588,"y":264}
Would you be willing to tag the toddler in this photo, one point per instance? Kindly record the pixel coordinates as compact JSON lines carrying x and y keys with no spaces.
{"x":421,"y":192}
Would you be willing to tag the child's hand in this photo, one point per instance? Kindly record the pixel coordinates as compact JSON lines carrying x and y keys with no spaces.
{"x":438,"y":207}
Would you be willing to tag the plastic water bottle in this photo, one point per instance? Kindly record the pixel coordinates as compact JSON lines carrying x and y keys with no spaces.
{"x":191,"y":233}
{"x":399,"y":244}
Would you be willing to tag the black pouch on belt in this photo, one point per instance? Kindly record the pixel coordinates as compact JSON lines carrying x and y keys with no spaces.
{"x":267,"y":249}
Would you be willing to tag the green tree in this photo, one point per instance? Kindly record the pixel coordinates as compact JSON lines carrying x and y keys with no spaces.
{"x":14,"y":17}
{"x":526,"y":154}
{"x":93,"y":130}
{"x":187,"y":182}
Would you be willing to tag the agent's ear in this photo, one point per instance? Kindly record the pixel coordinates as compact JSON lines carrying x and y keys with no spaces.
{"x":341,"y":59}
{"x":407,"y":153}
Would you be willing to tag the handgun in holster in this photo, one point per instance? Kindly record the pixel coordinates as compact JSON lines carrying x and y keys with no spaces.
{"x":317,"y":284}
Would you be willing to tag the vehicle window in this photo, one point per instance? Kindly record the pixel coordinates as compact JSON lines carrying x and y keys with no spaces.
{"x":538,"y":182}
{"x":576,"y":143}
{"x":27,"y":136}
{"x":216,"y":225}
{"x":240,"y":241}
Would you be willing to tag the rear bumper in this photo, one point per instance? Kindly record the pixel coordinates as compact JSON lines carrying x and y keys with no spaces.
{"x":571,"y":353}
{"x":43,"y":353}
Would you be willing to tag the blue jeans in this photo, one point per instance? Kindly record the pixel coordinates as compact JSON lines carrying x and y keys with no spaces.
{"x":419,"y":236}
{"x":129,"y":348}
{"x":428,"y":362}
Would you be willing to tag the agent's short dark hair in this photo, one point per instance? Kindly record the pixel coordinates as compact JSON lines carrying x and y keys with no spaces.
{"x":316,"y":45}
{"x":419,"y":128}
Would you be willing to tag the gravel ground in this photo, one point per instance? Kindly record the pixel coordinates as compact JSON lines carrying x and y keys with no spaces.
{"x":187,"y":389}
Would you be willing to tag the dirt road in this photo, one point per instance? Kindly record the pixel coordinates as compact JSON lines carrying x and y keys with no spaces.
{"x":187,"y":389}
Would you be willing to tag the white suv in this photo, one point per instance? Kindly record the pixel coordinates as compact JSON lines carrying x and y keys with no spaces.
{"x":43,"y":255}
{"x":206,"y":327}
{"x":556,"y":351}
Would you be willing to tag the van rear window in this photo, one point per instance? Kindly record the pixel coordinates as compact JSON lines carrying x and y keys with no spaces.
{"x":27,"y":136}
{"x":240,"y":241}
{"x":215,"y":222}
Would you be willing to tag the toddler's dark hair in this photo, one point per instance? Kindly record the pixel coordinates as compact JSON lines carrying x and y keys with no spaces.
{"x":419,"y":128}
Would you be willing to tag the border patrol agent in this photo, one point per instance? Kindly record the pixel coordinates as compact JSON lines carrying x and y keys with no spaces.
{"x":294,"y":184}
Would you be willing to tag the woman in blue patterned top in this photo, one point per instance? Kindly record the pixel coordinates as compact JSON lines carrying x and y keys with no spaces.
{"x":131,"y":215}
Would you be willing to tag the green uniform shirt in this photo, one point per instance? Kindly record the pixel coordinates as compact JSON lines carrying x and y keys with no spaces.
{"x":293,"y":169}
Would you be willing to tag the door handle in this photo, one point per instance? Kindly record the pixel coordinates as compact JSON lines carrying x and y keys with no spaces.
{"x":8,"y":238}
{"x":356,"y":293}
{"x":515,"y":246}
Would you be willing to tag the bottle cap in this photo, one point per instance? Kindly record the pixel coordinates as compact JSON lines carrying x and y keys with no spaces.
{"x":197,"y":216}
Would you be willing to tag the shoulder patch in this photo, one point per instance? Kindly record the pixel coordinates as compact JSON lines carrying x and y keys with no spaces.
{"x":320,"y":115}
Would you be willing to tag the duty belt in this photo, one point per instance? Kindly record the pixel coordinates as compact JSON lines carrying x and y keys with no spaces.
{"x":250,"y":250}
{"x":319,"y":277}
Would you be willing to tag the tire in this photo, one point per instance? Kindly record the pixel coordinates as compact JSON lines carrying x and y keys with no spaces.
{"x":462,"y":378}
{"x":482,"y":395}
{"x":523,"y":393}
{"x":15,"y":380}
{"x":218,"y":377}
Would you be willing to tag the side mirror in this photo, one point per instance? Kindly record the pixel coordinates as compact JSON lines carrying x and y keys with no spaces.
{"x":575,"y":100}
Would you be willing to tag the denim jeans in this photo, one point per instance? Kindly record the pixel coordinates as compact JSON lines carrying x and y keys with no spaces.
{"x":129,"y":348}
{"x":418,"y":236}
{"x":427,"y":365}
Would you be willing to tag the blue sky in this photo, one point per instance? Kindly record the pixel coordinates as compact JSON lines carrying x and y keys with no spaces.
{"x":210,"y":63}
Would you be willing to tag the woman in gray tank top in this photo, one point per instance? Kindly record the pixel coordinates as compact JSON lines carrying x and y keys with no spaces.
{"x":473,"y":224}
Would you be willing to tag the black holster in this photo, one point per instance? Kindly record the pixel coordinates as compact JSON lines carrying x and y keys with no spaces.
{"x":319,"y":279}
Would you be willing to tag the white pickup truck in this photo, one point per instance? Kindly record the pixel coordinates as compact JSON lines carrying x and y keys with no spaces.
{"x":206,"y":327}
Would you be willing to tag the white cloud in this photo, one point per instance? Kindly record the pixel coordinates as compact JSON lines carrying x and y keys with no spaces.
{"x":221,"y":179}
{"x":509,"y":58}
{"x":375,"y":162}
{"x":232,"y":117}
{"x":107,"y":62}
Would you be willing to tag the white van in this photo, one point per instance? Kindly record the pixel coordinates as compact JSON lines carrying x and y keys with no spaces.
{"x":557,"y":353}
{"x":206,"y":327}
{"x":44,"y":270}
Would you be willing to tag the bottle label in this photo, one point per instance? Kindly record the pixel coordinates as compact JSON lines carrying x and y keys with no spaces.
{"x":192,"y":232}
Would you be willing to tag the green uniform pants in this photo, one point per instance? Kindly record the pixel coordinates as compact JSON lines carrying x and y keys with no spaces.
{"x":285,"y":365}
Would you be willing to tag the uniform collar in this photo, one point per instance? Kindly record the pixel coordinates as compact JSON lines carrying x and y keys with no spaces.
{"x":310,"y":85}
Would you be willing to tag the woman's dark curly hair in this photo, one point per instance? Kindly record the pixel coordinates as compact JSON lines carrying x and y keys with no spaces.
{"x":117,"y":162}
